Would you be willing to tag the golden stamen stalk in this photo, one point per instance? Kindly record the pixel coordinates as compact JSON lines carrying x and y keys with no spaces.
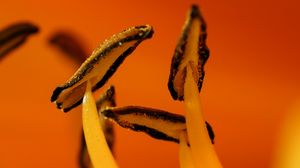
{"x":98,"y":149}
{"x":203,"y":153}
{"x":185,"y":155}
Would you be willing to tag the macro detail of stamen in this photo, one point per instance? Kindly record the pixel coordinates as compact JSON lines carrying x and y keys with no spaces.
{"x":100,"y":66}
{"x":69,"y":44}
{"x":14,"y":35}
{"x":156,"y":123}
{"x":191,"y":49}
{"x":107,"y":99}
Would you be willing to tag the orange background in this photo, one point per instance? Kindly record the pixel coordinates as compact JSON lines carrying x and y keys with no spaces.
{"x":252,"y":78}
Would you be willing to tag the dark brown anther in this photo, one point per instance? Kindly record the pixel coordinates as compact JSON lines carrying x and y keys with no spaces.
{"x":191,"y":49}
{"x":100,"y":66}
{"x":13,"y":36}
{"x":70,"y":45}
{"x":156,"y":123}
{"x":107,"y":99}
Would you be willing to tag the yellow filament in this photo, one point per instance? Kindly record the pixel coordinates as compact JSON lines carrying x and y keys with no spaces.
{"x":98,"y":149}
{"x":203,"y":153}
{"x":185,"y":155}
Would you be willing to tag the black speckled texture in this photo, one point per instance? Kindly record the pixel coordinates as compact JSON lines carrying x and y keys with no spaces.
{"x":89,"y":65}
{"x":203,"y":52}
{"x":153,"y":114}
